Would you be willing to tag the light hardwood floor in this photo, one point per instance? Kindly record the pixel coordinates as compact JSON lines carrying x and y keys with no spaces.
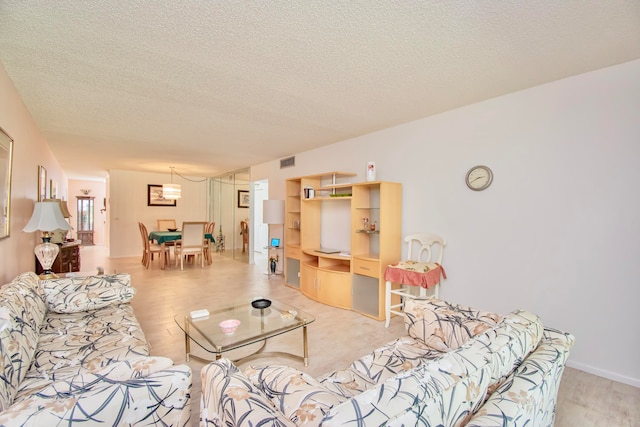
{"x":335,"y":339}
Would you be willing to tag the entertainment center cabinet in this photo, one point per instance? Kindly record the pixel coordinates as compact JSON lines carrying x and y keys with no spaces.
{"x":327,"y":209}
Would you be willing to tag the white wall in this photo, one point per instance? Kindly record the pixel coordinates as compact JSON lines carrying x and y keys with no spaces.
{"x":128,"y":206}
{"x":30,"y":149}
{"x":558,"y":232}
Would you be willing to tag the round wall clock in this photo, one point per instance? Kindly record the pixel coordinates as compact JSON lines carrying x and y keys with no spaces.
{"x":479,"y":178}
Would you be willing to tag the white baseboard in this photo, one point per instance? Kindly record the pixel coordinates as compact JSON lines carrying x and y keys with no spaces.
{"x":635,"y":382}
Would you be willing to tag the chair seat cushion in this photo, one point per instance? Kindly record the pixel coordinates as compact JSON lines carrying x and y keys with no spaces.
{"x":300,"y":397}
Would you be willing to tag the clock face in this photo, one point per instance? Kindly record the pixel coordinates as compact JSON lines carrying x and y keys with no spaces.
{"x":479,"y":178}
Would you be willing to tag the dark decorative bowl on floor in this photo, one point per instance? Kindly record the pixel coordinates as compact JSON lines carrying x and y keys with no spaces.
{"x":172,"y":229}
{"x":261,"y":303}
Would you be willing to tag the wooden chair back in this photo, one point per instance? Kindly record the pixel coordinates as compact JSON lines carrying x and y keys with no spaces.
{"x":166,"y":224}
{"x":425,"y":243}
{"x":193,"y":234}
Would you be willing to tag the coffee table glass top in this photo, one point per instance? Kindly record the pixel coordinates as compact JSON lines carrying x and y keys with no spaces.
{"x":255,"y":325}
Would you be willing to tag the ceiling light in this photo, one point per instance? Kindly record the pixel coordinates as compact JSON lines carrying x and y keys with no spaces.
{"x":171,"y":191}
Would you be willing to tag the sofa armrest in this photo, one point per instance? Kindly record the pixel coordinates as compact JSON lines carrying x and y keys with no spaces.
{"x":529,"y":394}
{"x":121,"y":395}
{"x":229,"y":398}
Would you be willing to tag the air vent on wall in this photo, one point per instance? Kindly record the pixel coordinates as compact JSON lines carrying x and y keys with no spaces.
{"x":288,"y":162}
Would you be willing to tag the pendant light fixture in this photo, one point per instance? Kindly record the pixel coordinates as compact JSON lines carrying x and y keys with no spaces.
{"x":171,"y":191}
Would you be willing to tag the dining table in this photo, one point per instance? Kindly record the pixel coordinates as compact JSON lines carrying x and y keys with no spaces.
{"x":162,"y":237}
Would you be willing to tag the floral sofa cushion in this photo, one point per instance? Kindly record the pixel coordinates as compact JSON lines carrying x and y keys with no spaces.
{"x":88,"y":340}
{"x":142,"y":391}
{"x":442,"y":325}
{"x":76,"y":294}
{"x":22,"y":312}
{"x":229,"y":395}
{"x":64,"y":299}
{"x":301,"y":398}
{"x":398,"y":356}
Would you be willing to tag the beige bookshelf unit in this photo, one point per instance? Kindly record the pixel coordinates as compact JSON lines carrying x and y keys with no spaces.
{"x":351,"y":278}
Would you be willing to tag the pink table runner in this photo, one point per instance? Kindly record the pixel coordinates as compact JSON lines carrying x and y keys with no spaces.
{"x":425,"y":274}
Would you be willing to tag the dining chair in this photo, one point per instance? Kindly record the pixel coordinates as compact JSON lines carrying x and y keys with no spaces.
{"x":149,"y":249}
{"x":166,"y":224}
{"x":209,"y":229}
{"x":244,"y":230}
{"x":192,"y":242}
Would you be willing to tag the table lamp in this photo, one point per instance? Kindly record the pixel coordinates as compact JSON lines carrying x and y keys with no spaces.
{"x":46,"y":217}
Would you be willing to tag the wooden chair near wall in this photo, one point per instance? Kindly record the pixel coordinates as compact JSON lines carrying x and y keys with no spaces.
{"x":244,"y":230}
{"x":423,"y":267}
{"x":149,"y":249}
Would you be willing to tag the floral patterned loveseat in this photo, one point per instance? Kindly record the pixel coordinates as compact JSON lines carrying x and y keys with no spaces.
{"x":73,"y":353}
{"x":456,"y":366}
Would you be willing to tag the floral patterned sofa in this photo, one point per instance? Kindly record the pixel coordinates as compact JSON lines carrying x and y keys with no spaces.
{"x":74,"y":353}
{"x":456,"y":366}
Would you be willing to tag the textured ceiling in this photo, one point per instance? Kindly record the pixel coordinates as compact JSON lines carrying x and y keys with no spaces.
{"x":214,"y":86}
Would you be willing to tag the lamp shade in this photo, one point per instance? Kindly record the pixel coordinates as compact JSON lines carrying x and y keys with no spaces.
{"x":273,"y":211}
{"x":47,"y":216}
{"x":171,"y":191}
{"x":63,"y":206}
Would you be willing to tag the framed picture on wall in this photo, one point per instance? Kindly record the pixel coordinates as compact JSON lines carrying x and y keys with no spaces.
{"x":155,"y":197}
{"x":243,"y":199}
{"x":42,"y":183}
{"x":53,"y":189}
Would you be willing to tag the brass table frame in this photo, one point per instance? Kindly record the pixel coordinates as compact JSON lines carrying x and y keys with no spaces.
{"x":257,"y":326}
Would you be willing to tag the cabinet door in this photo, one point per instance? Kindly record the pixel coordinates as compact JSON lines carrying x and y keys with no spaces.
{"x":334,"y":288}
{"x":308,"y":281}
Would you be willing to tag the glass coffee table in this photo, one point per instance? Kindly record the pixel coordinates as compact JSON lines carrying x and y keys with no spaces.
{"x":256,"y":326}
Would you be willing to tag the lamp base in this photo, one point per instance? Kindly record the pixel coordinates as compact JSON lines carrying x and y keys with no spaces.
{"x":48,"y":275}
{"x":46,"y":252}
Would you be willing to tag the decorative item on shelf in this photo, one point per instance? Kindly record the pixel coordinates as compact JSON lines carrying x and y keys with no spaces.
{"x":371,"y":171}
{"x":46,"y":217}
{"x":373,"y":225}
{"x":309,"y":193}
{"x":273,"y":263}
{"x":365,"y":224}
{"x":171,"y":191}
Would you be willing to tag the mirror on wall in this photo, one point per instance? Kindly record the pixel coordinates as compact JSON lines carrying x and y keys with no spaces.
{"x":6,"y":157}
{"x":230,"y":206}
